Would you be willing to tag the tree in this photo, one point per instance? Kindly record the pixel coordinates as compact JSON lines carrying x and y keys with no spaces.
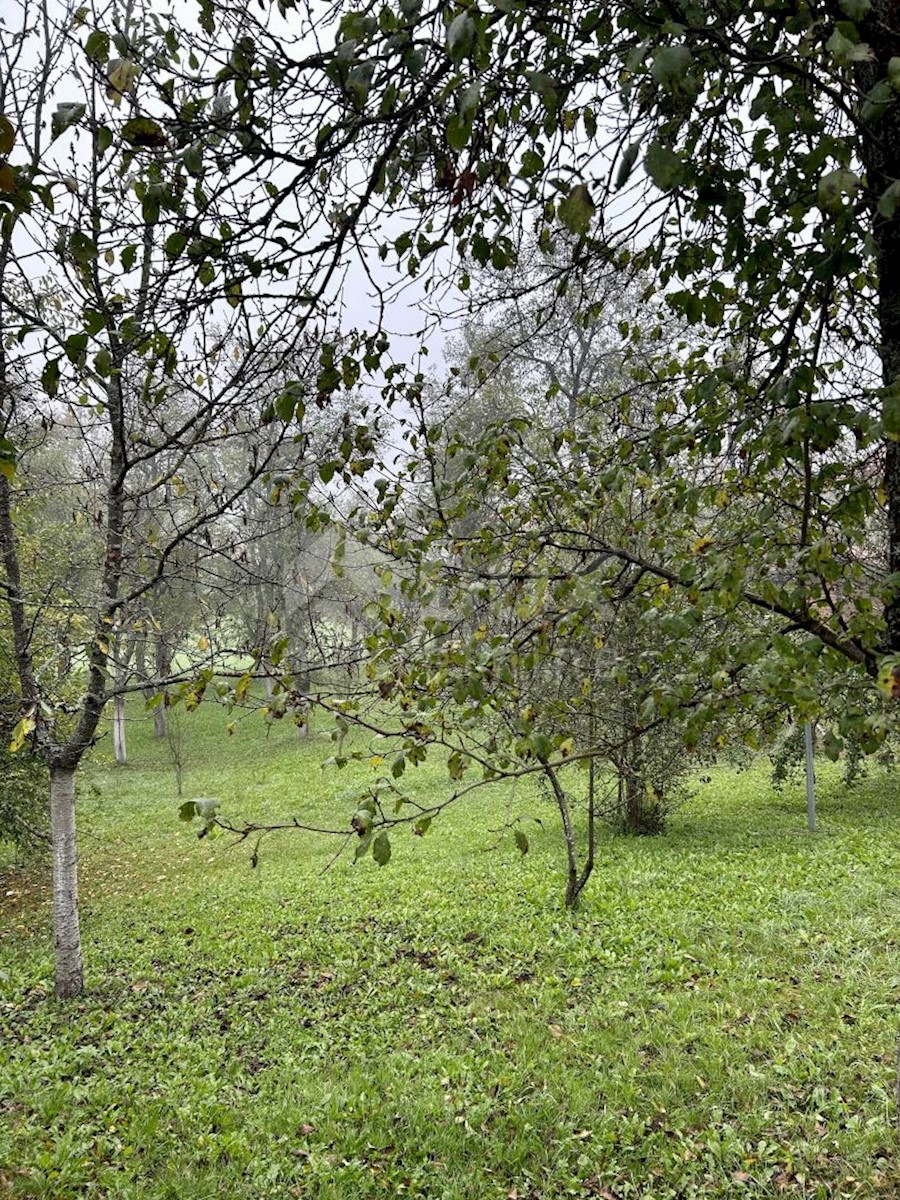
{"x":746,"y":162}
{"x":130,"y":295}
{"x":742,"y":156}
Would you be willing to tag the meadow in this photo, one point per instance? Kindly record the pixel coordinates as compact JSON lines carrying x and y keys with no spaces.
{"x":718,"y":1018}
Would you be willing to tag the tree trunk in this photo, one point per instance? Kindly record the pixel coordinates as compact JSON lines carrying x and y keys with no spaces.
{"x":632,"y":772}
{"x":880,"y":147}
{"x":66,"y":933}
{"x":302,"y":683}
{"x":635,"y":794}
{"x":119,"y":746}
{"x":159,"y":721}
{"x":162,"y":665}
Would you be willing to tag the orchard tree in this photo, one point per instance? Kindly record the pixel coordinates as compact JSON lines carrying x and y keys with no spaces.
{"x":747,"y":157}
{"x":141,"y":327}
{"x":743,"y":162}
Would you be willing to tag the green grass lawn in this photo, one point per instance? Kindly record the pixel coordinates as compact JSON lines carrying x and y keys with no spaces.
{"x":719,"y":1017}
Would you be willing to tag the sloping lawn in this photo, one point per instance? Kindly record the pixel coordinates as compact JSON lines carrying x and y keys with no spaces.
{"x":719,"y":1018}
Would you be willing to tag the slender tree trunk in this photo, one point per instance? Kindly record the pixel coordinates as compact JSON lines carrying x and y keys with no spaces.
{"x":632,"y":771}
{"x":575,"y":879}
{"x":635,"y":789}
{"x":66,"y":933}
{"x":159,"y":721}
{"x":162,"y":661}
{"x":119,"y":745}
{"x":300,"y":671}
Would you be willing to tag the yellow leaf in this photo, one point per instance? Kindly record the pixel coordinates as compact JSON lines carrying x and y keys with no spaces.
{"x":21,"y":732}
{"x":701,"y":545}
{"x":121,"y":79}
{"x":203,"y":643}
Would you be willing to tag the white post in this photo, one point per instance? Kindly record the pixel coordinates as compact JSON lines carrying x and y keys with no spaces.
{"x":810,"y":779}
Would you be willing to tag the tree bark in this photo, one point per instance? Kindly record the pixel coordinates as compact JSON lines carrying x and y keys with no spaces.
{"x":159,"y":722}
{"x":119,"y":744}
{"x":162,"y":663}
{"x":880,"y":150}
{"x":66,"y":932}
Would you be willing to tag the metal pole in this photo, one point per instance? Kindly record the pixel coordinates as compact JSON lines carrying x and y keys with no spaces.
{"x":810,"y":780}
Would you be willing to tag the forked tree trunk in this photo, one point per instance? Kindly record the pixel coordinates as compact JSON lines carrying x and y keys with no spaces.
{"x":66,"y":932}
{"x":119,"y":744}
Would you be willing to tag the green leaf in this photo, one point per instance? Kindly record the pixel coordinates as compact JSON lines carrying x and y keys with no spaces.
{"x":889,"y":199}
{"x":81,"y":247}
{"x":362,"y":846}
{"x":421,"y":827}
{"x":460,"y":37}
{"x":459,"y":130}
{"x":845,"y":50}
{"x":285,"y":405}
{"x":663,"y":166}
{"x":97,"y":47}
{"x":76,"y":346}
{"x":66,"y":115}
{"x":193,"y":159}
{"x":521,"y":842}
{"x":381,"y":849}
{"x":877,"y":101}
{"x":671,"y":65}
{"x":856,"y":10}
{"x":144,"y":133}
{"x":187,"y":811}
{"x":361,"y":821}
{"x":175,"y":244}
{"x":626,"y":165}
{"x":7,"y":135}
{"x":468,"y":100}
{"x":50,"y":377}
{"x":835,"y":185}
{"x":532,"y":164}
{"x":832,"y":745}
{"x":576,"y":211}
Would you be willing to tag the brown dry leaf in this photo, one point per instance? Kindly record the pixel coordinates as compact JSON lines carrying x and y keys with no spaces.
{"x":557,"y":1030}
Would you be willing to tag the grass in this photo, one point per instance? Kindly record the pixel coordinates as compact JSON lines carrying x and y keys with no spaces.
{"x":719,"y":1018}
